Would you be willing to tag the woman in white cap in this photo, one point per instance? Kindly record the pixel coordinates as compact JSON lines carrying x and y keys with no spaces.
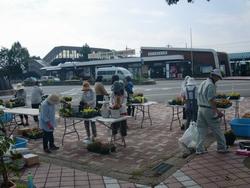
{"x":208,"y":114}
{"x":47,"y":122}
{"x":191,"y":101}
{"x":21,"y":96}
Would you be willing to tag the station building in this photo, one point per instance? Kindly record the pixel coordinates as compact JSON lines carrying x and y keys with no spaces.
{"x":154,"y":62}
{"x":240,"y":63}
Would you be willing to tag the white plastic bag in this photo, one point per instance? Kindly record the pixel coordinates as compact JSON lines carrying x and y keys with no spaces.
{"x":190,"y":136}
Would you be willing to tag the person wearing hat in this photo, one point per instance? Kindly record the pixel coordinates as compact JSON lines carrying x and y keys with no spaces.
{"x":88,"y":100}
{"x":47,"y":122}
{"x":36,"y":98}
{"x":21,"y":96}
{"x":190,"y":96}
{"x":100,"y":91}
{"x":208,"y":114}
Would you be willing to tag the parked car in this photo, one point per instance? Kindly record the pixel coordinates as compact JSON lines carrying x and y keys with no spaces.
{"x":108,"y":72}
{"x":50,"y":79}
{"x":30,"y":81}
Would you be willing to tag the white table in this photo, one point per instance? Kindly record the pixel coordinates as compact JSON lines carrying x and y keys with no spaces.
{"x":20,"y":111}
{"x":145,"y":109}
{"x":75,"y":120}
{"x":176,"y":110}
{"x":107,"y":123}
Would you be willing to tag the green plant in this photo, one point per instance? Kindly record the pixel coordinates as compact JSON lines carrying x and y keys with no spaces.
{"x":5,"y":166}
{"x":102,"y":148}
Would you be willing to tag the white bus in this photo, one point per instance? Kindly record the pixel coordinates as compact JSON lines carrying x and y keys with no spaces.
{"x":108,"y":72}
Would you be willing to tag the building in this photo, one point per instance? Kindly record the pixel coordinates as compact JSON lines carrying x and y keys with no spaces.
{"x":62,"y":54}
{"x":35,"y":65}
{"x":240,"y":63}
{"x":154,"y":62}
{"x":86,"y":70}
{"x":197,"y":62}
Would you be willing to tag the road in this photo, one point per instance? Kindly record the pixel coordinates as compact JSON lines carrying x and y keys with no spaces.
{"x":161,"y":92}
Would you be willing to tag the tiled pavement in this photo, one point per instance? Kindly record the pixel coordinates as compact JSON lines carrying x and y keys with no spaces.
{"x":147,"y":146}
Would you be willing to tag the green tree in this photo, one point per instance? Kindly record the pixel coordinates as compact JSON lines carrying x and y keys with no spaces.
{"x":84,"y":52}
{"x":171,"y":2}
{"x":13,"y":62}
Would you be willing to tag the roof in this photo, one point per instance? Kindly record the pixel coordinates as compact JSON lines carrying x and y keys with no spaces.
{"x":239,"y":56}
{"x":178,"y":49}
{"x":58,"y":49}
{"x":117,"y":61}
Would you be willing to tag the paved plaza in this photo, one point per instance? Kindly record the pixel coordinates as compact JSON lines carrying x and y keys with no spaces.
{"x":74,"y":166}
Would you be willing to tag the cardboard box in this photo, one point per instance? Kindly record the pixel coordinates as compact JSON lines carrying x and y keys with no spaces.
{"x":31,"y":159}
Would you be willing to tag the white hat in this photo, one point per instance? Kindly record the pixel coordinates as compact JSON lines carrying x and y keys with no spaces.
{"x":53,"y":99}
{"x":19,"y":86}
{"x":191,"y":82}
{"x":216,"y":72}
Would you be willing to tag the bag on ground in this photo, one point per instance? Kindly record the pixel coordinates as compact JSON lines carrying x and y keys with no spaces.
{"x":190,"y":136}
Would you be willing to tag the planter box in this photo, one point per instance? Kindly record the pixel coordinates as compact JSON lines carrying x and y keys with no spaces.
{"x":241,"y":127}
{"x":24,"y":130}
{"x":31,"y":159}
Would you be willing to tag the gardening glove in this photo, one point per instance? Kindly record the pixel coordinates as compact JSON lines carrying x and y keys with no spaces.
{"x":50,"y":126}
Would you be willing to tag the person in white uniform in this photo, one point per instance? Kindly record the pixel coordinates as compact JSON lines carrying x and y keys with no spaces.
{"x":208,"y":115}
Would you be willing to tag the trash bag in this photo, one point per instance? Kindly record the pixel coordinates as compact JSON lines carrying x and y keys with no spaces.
{"x":190,"y":136}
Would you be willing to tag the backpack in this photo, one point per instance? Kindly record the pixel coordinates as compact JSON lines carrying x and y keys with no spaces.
{"x":118,"y":88}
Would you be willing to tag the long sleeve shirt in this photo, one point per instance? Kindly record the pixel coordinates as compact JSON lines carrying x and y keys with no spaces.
{"x":36,"y":95}
{"x":99,"y":89}
{"x":89,"y":97}
{"x":21,"y":95}
{"x":47,"y":115}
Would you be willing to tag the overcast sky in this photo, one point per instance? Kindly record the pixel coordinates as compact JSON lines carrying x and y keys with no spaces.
{"x":40,"y":25}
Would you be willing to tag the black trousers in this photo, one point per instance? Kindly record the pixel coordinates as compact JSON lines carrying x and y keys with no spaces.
{"x":48,"y":139}
{"x":122,"y":126}
{"x":25,"y":116}
{"x":131,"y":110}
{"x":93,"y":128}
{"x":36,"y":106}
{"x":99,"y":98}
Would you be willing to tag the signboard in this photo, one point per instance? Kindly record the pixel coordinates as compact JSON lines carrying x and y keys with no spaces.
{"x":109,"y":55}
{"x":157,"y":53}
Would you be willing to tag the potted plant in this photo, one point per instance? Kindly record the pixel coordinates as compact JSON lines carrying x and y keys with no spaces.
{"x":5,"y":166}
{"x":230,"y":138}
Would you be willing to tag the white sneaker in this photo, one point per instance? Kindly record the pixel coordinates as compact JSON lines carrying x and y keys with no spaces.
{"x":87,"y":141}
{"x":223,"y":151}
{"x":200,"y":152}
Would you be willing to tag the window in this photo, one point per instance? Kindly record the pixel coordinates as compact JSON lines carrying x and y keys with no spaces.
{"x":120,"y":72}
{"x":206,"y":69}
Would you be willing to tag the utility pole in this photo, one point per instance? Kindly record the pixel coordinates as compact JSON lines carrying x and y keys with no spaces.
{"x":191,"y":52}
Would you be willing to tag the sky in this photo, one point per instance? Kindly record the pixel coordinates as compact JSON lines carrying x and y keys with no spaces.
{"x":40,"y":25}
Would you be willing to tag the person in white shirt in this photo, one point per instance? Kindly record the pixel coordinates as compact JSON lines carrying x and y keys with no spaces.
{"x":36,"y":98}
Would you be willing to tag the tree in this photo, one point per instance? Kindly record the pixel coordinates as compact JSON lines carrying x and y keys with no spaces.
{"x":13,"y":62}
{"x":84,"y":52}
{"x":171,"y":2}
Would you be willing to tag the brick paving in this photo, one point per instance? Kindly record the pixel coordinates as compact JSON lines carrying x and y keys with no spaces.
{"x":74,"y":166}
